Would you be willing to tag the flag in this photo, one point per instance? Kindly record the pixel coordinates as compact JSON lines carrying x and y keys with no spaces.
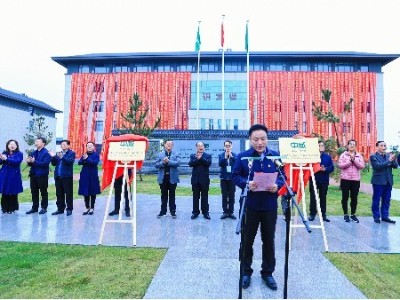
{"x":222,"y":34}
{"x":198,"y":40}
{"x":246,"y":38}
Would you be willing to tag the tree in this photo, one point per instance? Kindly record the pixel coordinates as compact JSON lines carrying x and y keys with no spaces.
{"x":37,"y":128}
{"x":329,"y":116}
{"x":136,"y":117}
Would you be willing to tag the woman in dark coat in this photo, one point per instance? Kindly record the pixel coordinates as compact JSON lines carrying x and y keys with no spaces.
{"x":89,"y":184}
{"x":10,"y":177}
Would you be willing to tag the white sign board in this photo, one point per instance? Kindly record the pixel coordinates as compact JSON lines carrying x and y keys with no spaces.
{"x":299,"y":150}
{"x":127,"y":151}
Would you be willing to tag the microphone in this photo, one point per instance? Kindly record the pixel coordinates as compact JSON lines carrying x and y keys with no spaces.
{"x":278,"y":163}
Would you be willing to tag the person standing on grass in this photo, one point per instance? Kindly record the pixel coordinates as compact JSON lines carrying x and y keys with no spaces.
{"x":167,"y":164}
{"x":350,"y":164}
{"x":63,"y":176}
{"x":382,"y":181}
{"x":322,"y":181}
{"x":10,"y":177}
{"x":89,"y":184}
{"x":39,"y":161}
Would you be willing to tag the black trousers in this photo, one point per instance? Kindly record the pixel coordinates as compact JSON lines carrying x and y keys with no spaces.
{"x":322,"y":189}
{"x":167,"y":193}
{"x":39,"y":184}
{"x":351,"y":187}
{"x":64,"y":193}
{"x":267,"y":222}
{"x":228,"y":189}
{"x":200,"y":191}
{"x":118,"y":191}
{"x":9,"y":203}
{"x":90,"y":201}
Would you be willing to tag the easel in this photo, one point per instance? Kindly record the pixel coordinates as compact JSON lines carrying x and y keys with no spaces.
{"x":132,"y":200}
{"x":294,"y":223}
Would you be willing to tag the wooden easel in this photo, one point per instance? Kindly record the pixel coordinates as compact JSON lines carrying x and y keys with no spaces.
{"x":132,"y":200}
{"x":294,"y":223}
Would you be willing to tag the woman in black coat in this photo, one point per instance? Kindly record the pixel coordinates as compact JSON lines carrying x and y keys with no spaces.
{"x":89,"y":184}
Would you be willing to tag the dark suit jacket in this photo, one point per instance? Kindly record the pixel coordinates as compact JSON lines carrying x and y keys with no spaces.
{"x":201,"y":169}
{"x":382,"y":169}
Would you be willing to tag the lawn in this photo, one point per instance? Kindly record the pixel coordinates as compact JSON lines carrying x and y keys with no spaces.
{"x":31,"y":270}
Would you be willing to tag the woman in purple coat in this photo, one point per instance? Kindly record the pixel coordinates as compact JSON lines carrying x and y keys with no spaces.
{"x":10,"y":177}
{"x":89,"y":184}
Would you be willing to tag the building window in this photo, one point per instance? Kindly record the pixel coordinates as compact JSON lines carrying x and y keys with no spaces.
{"x":99,"y":126}
{"x":98,"y":106}
{"x":83,"y":69}
{"x":219,"y":123}
{"x":202,"y":123}
{"x":228,"y":123}
{"x":211,"y":124}
{"x":364,"y":68}
{"x":304,"y":126}
{"x":235,"y":124}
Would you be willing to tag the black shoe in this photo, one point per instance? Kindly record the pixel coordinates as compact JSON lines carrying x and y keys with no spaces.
{"x":354,"y":219}
{"x":224,"y":216}
{"x":173,"y":215}
{"x":326,"y":219}
{"x":207,"y":216}
{"x":232,"y":216}
{"x":246,"y":281}
{"x":194,"y":216}
{"x":311,"y":217}
{"x":387,"y":220}
{"x":69,"y":212}
{"x":113,"y":213}
{"x":160,"y":215}
{"x":127,"y":212}
{"x":31,"y":211}
{"x":376,"y":220}
{"x":86,"y":212}
{"x":57,"y":212}
{"x":42,"y":211}
{"x":270,"y":282}
{"x":346,"y":218}
{"x":91,"y":211}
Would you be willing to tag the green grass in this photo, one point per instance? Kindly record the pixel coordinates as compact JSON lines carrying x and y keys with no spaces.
{"x":376,"y":275}
{"x":31,"y":270}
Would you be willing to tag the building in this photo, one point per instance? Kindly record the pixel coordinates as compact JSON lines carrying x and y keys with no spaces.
{"x":282,"y":87}
{"x":17,"y":112}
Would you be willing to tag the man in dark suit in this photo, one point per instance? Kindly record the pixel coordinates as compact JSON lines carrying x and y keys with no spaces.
{"x":382,"y":181}
{"x":63,"y":176}
{"x":200,"y":162}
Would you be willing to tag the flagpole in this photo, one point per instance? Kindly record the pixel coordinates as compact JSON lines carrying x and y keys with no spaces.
{"x":248,"y":74}
{"x":198,"y":43}
{"x":223,"y":73}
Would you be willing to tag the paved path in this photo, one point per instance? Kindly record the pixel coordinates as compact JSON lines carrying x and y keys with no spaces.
{"x":202,"y":257}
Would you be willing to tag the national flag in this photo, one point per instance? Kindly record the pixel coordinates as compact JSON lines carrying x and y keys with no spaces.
{"x":246,"y":38}
{"x":198,"y":40}
{"x":222,"y":35}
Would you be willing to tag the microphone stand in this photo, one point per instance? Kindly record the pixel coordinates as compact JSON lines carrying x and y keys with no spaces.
{"x":287,"y":201}
{"x":241,"y":224}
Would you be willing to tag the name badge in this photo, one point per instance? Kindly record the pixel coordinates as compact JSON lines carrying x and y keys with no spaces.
{"x":228,"y":169}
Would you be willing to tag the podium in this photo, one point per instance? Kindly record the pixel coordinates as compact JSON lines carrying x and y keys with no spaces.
{"x":122,"y":153}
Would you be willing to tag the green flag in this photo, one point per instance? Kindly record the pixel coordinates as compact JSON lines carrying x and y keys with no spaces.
{"x":198,"y":40}
{"x":246,"y":38}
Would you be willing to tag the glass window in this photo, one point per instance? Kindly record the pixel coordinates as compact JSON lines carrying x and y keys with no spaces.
{"x":364,"y":68}
{"x":99,"y":126}
{"x":84,"y":69}
{"x":211,"y":124}
{"x":304,"y":126}
{"x":219,"y":122}
{"x":100,"y":69}
{"x":228,"y":123}
{"x":202,"y":123}
{"x":98,"y":106}
{"x":235,"y":124}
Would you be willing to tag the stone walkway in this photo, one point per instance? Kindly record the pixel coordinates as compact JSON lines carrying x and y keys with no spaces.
{"x":202,"y":257}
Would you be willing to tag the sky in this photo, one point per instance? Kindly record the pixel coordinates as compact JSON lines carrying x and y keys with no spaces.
{"x":34,"y":31}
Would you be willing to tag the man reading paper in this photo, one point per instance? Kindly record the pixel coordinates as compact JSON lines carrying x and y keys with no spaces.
{"x":261,"y":206}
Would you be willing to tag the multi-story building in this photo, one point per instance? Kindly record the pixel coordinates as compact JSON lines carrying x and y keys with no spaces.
{"x":17,"y":114}
{"x":278,"y":90}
